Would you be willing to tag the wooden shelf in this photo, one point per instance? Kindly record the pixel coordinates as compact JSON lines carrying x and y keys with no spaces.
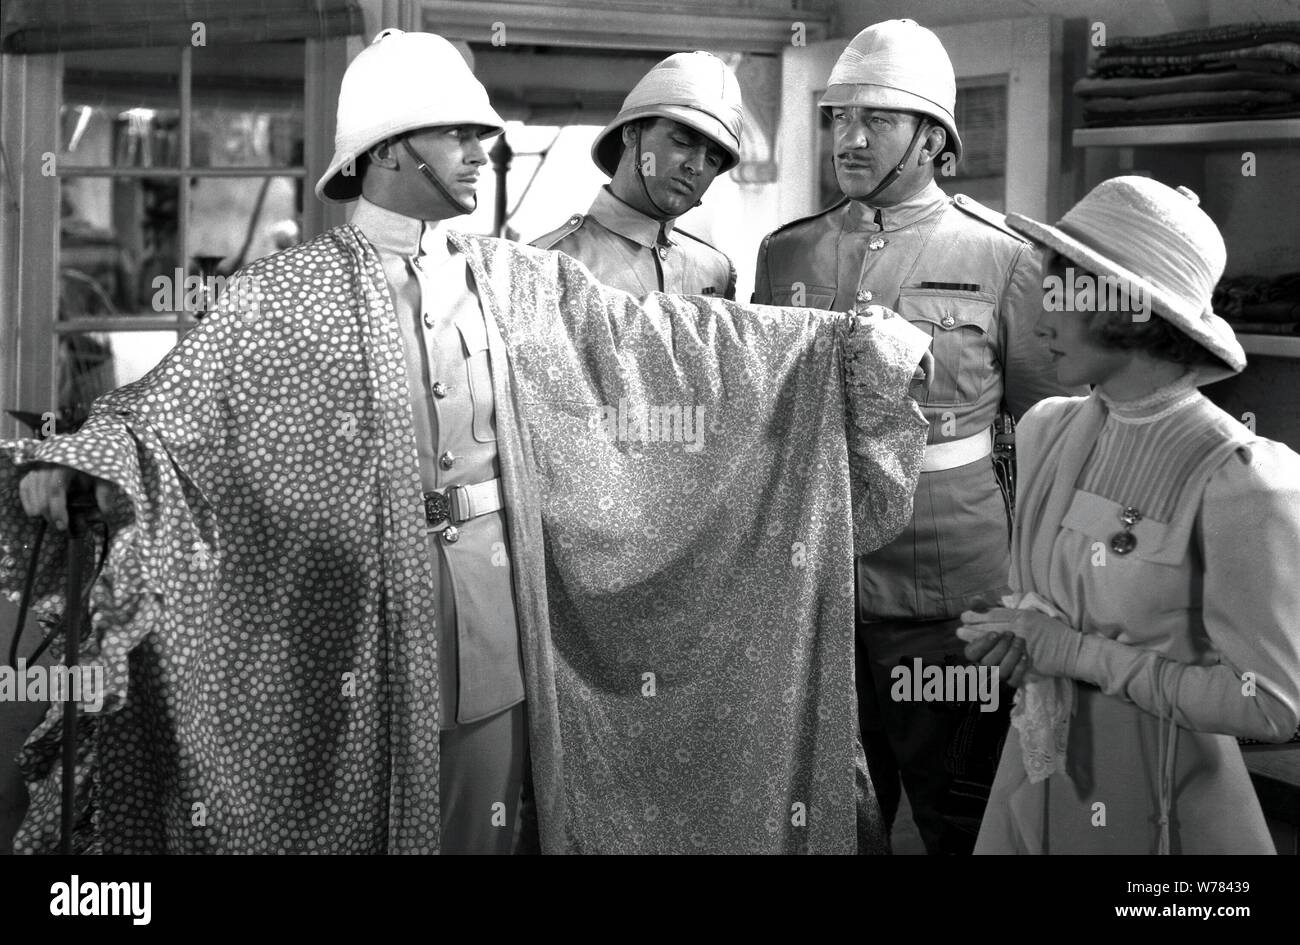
{"x":1211,"y":134}
{"x":1272,"y":346}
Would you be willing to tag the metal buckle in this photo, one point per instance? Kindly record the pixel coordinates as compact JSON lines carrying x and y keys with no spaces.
{"x":439,"y":508}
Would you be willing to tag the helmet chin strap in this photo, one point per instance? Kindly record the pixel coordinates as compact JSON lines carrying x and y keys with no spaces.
{"x":439,"y":186}
{"x":888,"y":180}
{"x":640,"y":176}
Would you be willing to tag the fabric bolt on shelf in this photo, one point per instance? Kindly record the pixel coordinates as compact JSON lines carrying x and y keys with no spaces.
{"x":1234,"y":292}
{"x":1136,"y":87}
{"x":1282,"y":56}
{"x":1179,"y":116}
{"x":1198,"y":101}
{"x":1265,"y":313}
{"x":1208,"y":39}
{"x":1266,"y":328}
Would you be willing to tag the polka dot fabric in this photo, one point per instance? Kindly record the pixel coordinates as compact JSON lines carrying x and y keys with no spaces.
{"x":265,"y":615}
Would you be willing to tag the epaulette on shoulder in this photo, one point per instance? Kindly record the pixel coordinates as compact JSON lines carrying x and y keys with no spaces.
{"x":678,"y":229}
{"x":980,"y":212}
{"x":812,"y":216}
{"x":571,"y":225}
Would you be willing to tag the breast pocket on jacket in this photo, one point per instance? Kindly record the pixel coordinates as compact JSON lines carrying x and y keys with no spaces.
{"x":804,"y":295}
{"x":478,"y":367}
{"x":1126,"y":589}
{"x":961,"y":326}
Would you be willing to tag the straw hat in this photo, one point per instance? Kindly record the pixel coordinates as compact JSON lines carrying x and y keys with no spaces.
{"x":401,"y":82}
{"x":1159,"y":241}
{"x":693,"y":88}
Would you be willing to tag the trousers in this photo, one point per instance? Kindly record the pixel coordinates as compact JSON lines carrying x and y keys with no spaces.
{"x":482,"y":774}
{"x":911,"y":745}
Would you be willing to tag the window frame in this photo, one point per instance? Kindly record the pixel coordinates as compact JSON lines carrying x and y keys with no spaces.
{"x":29,"y":211}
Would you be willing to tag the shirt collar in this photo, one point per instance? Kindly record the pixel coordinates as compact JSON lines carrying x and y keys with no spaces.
{"x":921,"y":204}
{"x":397,"y":233}
{"x":625,"y":220}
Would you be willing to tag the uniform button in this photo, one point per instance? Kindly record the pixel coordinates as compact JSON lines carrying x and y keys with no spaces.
{"x":864,"y":296}
{"x":447,"y":460}
{"x":451,"y":534}
{"x":662,"y":251}
{"x":439,"y":389}
{"x":876,"y":242}
{"x":574,"y":219}
{"x":947,"y":321}
{"x":960,"y":198}
{"x":428,"y":320}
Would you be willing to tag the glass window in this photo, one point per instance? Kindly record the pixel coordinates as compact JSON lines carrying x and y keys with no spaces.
{"x":175,"y":165}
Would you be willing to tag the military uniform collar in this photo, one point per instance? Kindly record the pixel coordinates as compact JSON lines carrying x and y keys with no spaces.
{"x":625,"y":220}
{"x":398,"y":233}
{"x":916,"y":207}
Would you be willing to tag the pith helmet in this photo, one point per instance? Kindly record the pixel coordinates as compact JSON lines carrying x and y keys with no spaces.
{"x":400,"y":82}
{"x":694,"y":88}
{"x":897,"y":65}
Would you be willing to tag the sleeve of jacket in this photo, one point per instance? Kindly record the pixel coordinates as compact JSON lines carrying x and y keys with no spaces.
{"x":762,"y":283}
{"x":1027,"y":369}
{"x":1248,"y":527}
{"x":730,"y":293}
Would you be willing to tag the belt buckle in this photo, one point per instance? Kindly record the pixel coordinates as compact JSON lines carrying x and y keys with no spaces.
{"x":440,"y":508}
{"x":437,"y":508}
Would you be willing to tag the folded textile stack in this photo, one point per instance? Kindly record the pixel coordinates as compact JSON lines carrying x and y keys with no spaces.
{"x":1222,"y":73}
{"x":1260,"y":306}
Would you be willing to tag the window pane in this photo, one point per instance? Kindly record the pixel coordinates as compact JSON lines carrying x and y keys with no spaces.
{"x":117,"y":239}
{"x":982,"y":121}
{"x":94,"y":363}
{"x":248,"y":105}
{"x":239,"y":219}
{"x":121,"y":108}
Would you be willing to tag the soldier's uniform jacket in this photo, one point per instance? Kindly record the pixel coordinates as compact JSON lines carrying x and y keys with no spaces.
{"x":953,"y":269}
{"x":444,"y":337}
{"x":627,"y":250}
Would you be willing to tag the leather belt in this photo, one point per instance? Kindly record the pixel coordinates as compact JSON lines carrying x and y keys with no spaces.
{"x":954,"y":453}
{"x":456,"y":505}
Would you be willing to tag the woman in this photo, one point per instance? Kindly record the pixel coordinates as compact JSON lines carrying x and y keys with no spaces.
{"x":1156,"y":613}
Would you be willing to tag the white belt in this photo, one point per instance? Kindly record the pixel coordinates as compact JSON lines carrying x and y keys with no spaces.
{"x":456,"y":505}
{"x":956,"y":453}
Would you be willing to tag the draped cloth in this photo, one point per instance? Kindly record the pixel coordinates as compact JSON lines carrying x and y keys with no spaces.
{"x":265,"y":615}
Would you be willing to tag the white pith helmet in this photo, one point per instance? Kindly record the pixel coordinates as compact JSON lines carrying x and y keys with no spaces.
{"x":694,"y":88}
{"x":400,"y":82}
{"x":897,"y":65}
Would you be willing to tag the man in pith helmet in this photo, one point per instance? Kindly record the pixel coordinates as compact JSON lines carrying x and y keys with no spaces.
{"x":678,"y":129}
{"x":952,"y":268}
{"x":407,"y":494}
{"x":421,"y":153}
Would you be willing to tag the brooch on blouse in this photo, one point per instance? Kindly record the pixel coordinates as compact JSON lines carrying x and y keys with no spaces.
{"x":1123,"y":542}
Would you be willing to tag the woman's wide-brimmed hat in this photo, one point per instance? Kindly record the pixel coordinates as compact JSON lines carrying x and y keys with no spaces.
{"x":1156,"y":240}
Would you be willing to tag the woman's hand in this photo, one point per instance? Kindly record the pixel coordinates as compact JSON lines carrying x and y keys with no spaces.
{"x":1006,"y":651}
{"x":1045,"y":641}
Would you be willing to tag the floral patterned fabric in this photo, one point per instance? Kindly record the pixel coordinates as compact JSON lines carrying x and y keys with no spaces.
{"x":265,"y":615}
